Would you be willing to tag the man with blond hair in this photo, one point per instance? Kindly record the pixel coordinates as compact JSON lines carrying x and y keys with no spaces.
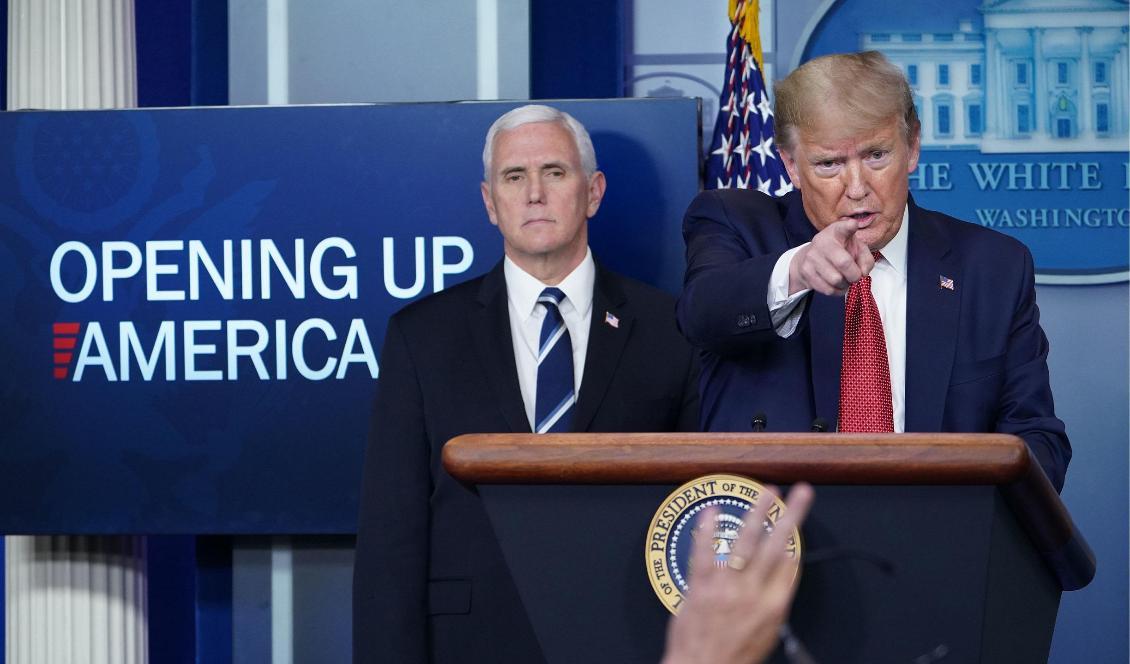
{"x":843,"y":305}
{"x":547,"y":341}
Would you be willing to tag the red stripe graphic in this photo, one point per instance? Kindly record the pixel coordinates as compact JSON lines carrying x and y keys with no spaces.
{"x":65,"y":340}
{"x":64,"y":343}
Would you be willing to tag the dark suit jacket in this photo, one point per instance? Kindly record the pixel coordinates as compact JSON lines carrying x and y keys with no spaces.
{"x":976,"y":357}
{"x":430,"y":583}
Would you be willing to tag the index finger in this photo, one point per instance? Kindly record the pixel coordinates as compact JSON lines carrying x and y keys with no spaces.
{"x":797,"y":505}
{"x":771,"y":553}
{"x":764,"y":552}
{"x":844,"y":230}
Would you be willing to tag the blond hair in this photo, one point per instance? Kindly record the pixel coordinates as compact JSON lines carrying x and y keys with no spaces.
{"x":864,"y":91}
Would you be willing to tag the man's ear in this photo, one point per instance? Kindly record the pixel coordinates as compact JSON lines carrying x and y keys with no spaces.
{"x":915,"y":148}
{"x":790,"y":165}
{"x":488,"y":203}
{"x":597,"y":186}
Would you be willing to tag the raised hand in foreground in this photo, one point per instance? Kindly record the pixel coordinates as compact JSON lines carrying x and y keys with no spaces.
{"x":732,"y":614}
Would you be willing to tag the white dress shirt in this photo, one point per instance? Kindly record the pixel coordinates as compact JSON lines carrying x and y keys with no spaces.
{"x":888,"y":286}
{"x":526,"y":316}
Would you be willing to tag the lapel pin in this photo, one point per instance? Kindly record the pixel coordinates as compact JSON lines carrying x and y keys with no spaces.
{"x":611,"y":320}
{"x":945,"y":282}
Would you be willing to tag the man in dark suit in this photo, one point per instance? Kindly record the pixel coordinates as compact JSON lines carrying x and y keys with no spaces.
{"x":939,"y":329}
{"x":548,"y":340}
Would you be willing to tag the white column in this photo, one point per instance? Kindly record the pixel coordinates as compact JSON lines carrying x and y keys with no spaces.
{"x":73,"y":600}
{"x":1086,"y":82}
{"x":1007,"y":111}
{"x":1118,"y":95}
{"x":993,"y":72}
{"x":278,"y":51}
{"x":1123,"y":106}
{"x":1039,"y":84}
{"x":71,"y":54}
{"x":1115,"y":69}
{"x":486,"y":43}
{"x":1006,"y":121}
{"x":282,"y":600}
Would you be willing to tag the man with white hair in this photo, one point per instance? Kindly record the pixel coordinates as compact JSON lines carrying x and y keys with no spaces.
{"x":547,"y":341}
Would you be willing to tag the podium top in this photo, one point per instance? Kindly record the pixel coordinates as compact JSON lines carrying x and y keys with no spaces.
{"x":662,"y":458}
{"x":819,"y":458}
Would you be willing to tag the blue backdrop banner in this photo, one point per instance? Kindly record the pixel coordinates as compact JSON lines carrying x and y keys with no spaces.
{"x":192,"y":302}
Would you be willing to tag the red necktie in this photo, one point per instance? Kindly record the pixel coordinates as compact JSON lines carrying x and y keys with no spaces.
{"x":865,"y":377}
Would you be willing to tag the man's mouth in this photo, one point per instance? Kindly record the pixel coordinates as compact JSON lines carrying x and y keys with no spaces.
{"x":862,"y":218}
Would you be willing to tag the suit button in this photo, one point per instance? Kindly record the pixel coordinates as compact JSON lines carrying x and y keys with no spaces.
{"x":747,"y":320}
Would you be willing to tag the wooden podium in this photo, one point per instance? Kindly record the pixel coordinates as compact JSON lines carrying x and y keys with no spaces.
{"x":920,"y":547}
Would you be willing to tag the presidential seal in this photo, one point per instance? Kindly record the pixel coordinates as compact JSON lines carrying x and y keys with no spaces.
{"x":674,"y":528}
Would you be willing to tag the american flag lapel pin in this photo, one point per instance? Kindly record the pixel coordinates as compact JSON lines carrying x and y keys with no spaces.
{"x":945,"y":282}
{"x":611,"y":320}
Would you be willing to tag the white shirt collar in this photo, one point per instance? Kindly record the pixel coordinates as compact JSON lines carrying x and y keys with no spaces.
{"x":523,"y":289}
{"x":895,"y":250}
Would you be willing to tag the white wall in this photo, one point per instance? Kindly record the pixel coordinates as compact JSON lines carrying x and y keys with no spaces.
{"x":347,"y":51}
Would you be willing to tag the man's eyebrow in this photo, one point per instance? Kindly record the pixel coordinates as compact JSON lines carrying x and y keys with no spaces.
{"x":546,"y":166}
{"x":880,"y":145}
{"x":830,"y":155}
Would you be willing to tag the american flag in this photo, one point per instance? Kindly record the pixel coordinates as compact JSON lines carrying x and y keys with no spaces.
{"x":743,"y":154}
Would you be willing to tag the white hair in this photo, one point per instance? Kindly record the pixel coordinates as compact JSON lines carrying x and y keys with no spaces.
{"x":537,"y":113}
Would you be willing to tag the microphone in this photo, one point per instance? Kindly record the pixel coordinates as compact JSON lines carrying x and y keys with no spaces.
{"x":759,"y":421}
{"x":819,"y":425}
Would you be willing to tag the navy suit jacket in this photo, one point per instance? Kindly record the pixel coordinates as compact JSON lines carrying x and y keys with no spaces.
{"x":976,"y":357}
{"x":430,"y":582}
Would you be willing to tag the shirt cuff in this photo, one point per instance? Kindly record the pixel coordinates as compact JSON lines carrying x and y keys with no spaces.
{"x":783,"y":309}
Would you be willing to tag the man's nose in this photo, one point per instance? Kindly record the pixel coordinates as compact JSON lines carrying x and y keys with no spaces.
{"x":855,"y":185}
{"x":535,"y":193}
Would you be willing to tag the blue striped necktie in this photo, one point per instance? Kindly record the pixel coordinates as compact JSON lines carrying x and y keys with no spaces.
{"x":553,"y":403}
